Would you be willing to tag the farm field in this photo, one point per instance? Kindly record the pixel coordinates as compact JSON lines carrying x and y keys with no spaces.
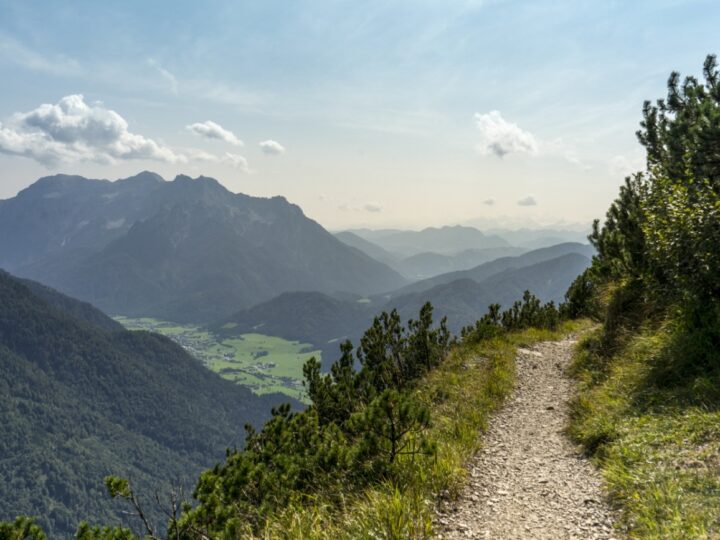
{"x":265,"y":364}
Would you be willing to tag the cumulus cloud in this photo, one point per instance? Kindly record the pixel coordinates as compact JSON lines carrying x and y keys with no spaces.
{"x":73,"y":130}
{"x":500,"y":137}
{"x":237,"y":161}
{"x":211,"y":130}
{"x":234,"y":160}
{"x":489,"y":202}
{"x":529,"y":200}
{"x":272,"y":148}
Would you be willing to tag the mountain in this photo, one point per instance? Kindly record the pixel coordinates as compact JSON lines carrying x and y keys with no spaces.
{"x":443,"y":240}
{"x":323,"y":321}
{"x":369,"y":248}
{"x":372,"y":234}
{"x":82,"y":311}
{"x":309,"y":317}
{"x":539,"y":238}
{"x":464,"y":300}
{"x":79,"y":401}
{"x":484,"y":271}
{"x":426,"y":265}
{"x":186,"y":250}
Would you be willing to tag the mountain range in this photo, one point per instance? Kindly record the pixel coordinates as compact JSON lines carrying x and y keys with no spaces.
{"x":185,"y":250}
{"x":447,"y":240}
{"x":461,"y":296}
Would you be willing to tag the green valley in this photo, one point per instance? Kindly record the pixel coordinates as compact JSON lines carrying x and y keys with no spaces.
{"x":265,"y":364}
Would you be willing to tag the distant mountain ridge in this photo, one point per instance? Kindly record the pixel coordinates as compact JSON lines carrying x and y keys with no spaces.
{"x":185,"y":250}
{"x":464,"y":300}
{"x":484,"y":271}
{"x":443,"y":240}
{"x":461,"y":296}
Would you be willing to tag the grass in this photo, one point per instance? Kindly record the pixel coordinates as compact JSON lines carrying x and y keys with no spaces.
{"x":265,"y":364}
{"x":470,"y":384}
{"x":650,"y":414}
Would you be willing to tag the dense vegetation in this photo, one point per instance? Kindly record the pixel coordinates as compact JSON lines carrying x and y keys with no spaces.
{"x":391,"y":423}
{"x":79,"y":402}
{"x":650,"y":377}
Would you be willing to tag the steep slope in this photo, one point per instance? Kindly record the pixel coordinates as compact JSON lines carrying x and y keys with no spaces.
{"x":369,"y":248}
{"x":427,"y":265}
{"x":69,"y":306}
{"x":484,"y":271}
{"x":78,"y":403}
{"x":186,"y":250}
{"x":318,"y":319}
{"x":548,"y":280}
{"x":464,"y":300}
{"x":308,"y":317}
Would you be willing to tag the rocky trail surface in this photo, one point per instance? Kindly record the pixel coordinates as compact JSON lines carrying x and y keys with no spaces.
{"x":529,"y":481}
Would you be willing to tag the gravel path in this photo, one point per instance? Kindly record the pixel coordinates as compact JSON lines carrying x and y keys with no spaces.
{"x":529,"y":481}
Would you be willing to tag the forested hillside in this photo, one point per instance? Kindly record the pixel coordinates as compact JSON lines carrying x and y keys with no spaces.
{"x":80,"y":400}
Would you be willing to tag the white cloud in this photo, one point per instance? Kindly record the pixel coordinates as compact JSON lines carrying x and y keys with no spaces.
{"x":529,"y":200}
{"x":489,"y":202}
{"x":500,"y":137}
{"x":373,"y":207}
{"x":234,"y":160}
{"x":73,"y":130}
{"x":237,"y":161}
{"x":625,"y":166}
{"x":211,"y":130}
{"x":272,"y":148}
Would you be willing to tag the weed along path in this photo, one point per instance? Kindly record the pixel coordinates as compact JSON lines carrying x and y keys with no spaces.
{"x":529,"y":481}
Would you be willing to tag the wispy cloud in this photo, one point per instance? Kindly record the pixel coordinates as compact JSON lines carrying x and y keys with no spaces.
{"x":489,"y":202}
{"x":73,"y":130}
{"x":272,"y":148}
{"x":16,"y":53}
{"x":211,"y":130}
{"x":500,"y":137}
{"x":622,"y":165}
{"x":528,"y":200}
{"x":370,"y":206}
{"x":165,"y":74}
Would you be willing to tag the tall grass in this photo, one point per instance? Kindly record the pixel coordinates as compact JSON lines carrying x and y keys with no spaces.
{"x":649,"y":411}
{"x":469,"y":385}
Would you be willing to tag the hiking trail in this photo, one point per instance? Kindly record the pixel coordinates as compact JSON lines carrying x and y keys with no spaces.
{"x":529,"y":481}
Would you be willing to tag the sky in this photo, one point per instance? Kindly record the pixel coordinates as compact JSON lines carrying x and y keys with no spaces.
{"x":377,"y":114}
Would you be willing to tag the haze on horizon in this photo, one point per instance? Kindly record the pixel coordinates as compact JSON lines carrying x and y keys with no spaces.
{"x":401,"y":114}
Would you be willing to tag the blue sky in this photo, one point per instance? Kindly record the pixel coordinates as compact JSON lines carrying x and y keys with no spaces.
{"x":391,"y":113}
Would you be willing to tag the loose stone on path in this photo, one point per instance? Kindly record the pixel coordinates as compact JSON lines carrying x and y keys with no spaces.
{"x":529,"y":481}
